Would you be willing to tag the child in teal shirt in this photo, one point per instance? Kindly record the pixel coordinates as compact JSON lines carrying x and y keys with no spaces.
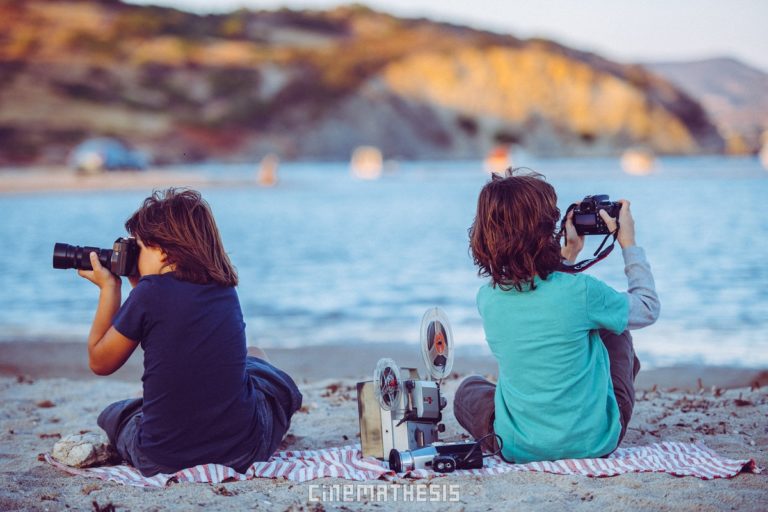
{"x":566,"y":360}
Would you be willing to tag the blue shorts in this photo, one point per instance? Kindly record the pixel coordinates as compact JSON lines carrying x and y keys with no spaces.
{"x":122,"y":420}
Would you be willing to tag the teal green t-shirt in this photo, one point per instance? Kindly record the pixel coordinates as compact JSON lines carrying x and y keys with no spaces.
{"x":554,"y":398}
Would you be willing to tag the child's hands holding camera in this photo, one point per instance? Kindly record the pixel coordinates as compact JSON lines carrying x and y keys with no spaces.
{"x":99,"y":276}
{"x":626,"y":235}
{"x":574,"y":242}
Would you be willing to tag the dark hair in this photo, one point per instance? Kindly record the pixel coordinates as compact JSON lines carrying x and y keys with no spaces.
{"x":180,"y":222}
{"x":514,"y":235}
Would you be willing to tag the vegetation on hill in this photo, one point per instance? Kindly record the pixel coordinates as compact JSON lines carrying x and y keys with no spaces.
{"x":315,"y":84}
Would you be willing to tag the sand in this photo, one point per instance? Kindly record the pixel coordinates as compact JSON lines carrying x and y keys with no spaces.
{"x":59,"y":180}
{"x":47,"y":392}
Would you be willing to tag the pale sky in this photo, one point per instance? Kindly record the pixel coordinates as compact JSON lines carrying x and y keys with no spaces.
{"x":627,"y":31}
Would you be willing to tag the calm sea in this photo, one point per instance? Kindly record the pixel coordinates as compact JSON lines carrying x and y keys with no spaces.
{"x":324,"y":258}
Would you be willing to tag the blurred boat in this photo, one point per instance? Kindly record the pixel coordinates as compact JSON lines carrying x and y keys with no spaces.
{"x":763,"y":155}
{"x":267,"y":176}
{"x":499,"y":159}
{"x":366,"y":163}
{"x":638,"y":161}
{"x":106,"y":154}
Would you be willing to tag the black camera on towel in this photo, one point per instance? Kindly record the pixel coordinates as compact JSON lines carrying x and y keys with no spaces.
{"x":586,"y":216}
{"x":121,"y":260}
{"x":439,"y":457}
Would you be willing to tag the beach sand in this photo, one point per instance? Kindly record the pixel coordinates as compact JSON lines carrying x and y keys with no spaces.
{"x":61,"y":179}
{"x":46,"y":391}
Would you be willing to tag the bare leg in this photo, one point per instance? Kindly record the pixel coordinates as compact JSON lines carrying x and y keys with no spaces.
{"x":257,"y":352}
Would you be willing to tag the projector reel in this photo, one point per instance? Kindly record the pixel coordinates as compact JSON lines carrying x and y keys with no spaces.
{"x":437,"y":343}
{"x":387,"y":385}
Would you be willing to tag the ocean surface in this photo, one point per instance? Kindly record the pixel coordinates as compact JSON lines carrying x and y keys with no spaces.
{"x":324,"y":258}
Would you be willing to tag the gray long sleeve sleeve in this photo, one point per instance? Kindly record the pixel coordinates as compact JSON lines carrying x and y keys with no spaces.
{"x":644,"y":306}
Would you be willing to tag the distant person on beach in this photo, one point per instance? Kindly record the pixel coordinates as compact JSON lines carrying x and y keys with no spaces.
{"x":566,"y":361}
{"x":205,"y":400}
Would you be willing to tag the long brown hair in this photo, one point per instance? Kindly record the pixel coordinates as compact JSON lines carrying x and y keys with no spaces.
{"x":514,"y":236}
{"x":180,"y":222}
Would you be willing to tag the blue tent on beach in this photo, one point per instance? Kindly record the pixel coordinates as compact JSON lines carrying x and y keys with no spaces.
{"x":106,"y":154}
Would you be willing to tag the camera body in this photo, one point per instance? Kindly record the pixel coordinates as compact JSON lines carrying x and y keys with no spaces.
{"x":586,"y":216}
{"x":439,"y":457}
{"x":121,"y":260}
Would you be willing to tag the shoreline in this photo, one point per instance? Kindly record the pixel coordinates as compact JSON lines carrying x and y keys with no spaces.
{"x":68,"y":360}
{"x":65,"y":180}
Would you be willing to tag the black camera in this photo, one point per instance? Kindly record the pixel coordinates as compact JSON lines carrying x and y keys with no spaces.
{"x":586,"y":216}
{"x":121,"y":260}
{"x":440,"y":457}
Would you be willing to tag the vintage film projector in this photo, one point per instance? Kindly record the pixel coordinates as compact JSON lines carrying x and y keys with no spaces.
{"x":399,"y":409}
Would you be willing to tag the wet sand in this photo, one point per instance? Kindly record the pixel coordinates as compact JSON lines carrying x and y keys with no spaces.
{"x":40,"y":359}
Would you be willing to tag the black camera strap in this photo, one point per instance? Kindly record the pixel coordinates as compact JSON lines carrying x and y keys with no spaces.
{"x":478,"y":446}
{"x":599,"y":254}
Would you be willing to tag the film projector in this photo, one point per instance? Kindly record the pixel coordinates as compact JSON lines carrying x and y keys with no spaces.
{"x":400,"y":410}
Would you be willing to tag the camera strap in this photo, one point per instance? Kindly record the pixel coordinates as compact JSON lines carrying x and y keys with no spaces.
{"x":478,"y":446}
{"x":600,"y":253}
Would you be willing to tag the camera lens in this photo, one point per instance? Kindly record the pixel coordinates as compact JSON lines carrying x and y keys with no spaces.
{"x":74,"y":256}
{"x":395,"y":463}
{"x":63,"y":256}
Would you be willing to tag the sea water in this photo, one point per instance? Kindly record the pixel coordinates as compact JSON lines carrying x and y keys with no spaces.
{"x":324,"y":258}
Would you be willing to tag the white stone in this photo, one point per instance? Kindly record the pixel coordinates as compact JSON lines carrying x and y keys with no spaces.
{"x":84,"y":450}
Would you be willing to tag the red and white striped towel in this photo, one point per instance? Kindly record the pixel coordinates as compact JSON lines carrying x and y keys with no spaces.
{"x":680,"y":459}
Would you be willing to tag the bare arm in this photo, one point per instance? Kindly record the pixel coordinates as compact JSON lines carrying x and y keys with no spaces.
{"x":108,"y":350}
{"x":574,"y":242}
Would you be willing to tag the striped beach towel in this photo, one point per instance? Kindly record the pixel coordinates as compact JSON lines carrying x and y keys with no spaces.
{"x":347,"y":462}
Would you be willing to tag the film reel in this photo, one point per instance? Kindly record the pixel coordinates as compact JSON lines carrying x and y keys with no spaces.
{"x":387,"y":385}
{"x":437,"y":343}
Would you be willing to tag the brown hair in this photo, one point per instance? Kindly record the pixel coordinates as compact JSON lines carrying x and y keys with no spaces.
{"x":514,"y":235}
{"x":180,"y":222}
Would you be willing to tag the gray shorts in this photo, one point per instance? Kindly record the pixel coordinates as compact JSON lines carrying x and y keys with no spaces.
{"x":473,"y":403}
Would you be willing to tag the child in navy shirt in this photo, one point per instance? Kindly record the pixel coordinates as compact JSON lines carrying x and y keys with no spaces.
{"x":205,"y":400}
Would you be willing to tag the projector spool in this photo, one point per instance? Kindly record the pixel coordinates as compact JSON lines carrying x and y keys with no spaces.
{"x":388,"y":387}
{"x":437,"y":343}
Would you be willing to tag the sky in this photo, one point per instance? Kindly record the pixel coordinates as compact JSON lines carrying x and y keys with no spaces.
{"x":623,"y":30}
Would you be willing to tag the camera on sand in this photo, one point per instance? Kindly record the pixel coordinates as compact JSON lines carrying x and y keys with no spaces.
{"x":440,"y":457}
{"x":121,"y":260}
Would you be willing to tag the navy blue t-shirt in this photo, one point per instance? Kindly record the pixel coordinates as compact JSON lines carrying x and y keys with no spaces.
{"x":200,"y":406}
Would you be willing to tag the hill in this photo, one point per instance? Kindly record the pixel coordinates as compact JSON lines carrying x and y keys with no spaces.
{"x":316,"y":84}
{"x":734,"y":94}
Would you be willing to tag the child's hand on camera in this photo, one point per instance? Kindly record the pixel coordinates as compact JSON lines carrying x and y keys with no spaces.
{"x":626,"y":235}
{"x":573,"y":242}
{"x":99,"y":276}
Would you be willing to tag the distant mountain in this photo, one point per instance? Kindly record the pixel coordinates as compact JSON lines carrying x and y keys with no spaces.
{"x":734,"y":94}
{"x":314,"y":85}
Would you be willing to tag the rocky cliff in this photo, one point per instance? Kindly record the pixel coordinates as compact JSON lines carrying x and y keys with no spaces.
{"x":734,"y":94}
{"x":315,"y":84}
